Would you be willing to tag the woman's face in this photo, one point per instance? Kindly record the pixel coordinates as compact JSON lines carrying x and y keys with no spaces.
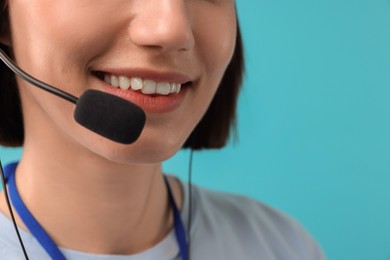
{"x":120,"y":46}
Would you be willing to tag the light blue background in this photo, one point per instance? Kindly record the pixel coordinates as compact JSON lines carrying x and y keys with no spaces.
{"x":314,"y":131}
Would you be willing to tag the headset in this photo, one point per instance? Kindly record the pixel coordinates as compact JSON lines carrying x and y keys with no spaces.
{"x":124,"y":129}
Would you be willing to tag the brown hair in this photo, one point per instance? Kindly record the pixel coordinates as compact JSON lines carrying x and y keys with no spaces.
{"x":213,"y":130}
{"x":11,"y":124}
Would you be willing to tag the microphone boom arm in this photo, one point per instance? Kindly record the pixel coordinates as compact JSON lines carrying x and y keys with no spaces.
{"x":58,"y":92}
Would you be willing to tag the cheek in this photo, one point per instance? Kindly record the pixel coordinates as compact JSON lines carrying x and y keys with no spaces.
{"x":216,"y":34}
{"x":50,"y":34}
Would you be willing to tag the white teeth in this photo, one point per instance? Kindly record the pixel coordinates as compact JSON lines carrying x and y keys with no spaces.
{"x":146,"y":86}
{"x":178,"y":88}
{"x":163,"y":88}
{"x":149,"y":87}
{"x":107,"y":79}
{"x":136,"y":83}
{"x":114,"y":81}
{"x":124,"y":82}
{"x":173,"y":88}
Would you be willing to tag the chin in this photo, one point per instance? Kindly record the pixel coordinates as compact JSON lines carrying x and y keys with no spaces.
{"x":140,"y":152}
{"x":155,"y":145}
{"x":157,"y":152}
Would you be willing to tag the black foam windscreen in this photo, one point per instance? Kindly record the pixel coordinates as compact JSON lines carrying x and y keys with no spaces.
{"x":110,"y":116}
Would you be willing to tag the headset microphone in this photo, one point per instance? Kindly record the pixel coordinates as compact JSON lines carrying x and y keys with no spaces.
{"x":107,"y":115}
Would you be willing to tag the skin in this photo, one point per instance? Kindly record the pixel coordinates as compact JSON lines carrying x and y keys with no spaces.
{"x":61,"y":42}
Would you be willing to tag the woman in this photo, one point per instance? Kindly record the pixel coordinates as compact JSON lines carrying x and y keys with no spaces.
{"x":181,"y":62}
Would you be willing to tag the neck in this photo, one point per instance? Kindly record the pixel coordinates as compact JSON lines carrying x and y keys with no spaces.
{"x":102,"y":207}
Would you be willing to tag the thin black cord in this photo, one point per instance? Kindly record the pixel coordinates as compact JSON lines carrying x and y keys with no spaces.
{"x":190,"y":200}
{"x":11,"y":211}
{"x":58,"y":92}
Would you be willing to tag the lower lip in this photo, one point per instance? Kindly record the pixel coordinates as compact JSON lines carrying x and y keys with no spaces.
{"x":149,"y":103}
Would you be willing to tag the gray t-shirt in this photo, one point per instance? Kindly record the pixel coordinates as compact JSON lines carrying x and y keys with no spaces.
{"x":223,"y":227}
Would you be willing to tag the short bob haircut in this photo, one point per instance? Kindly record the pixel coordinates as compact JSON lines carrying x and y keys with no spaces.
{"x":213,"y":130}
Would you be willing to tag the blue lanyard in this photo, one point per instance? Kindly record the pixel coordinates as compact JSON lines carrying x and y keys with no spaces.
{"x":49,"y":245}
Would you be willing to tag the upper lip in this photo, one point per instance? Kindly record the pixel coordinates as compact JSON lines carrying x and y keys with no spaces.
{"x":158,"y":76}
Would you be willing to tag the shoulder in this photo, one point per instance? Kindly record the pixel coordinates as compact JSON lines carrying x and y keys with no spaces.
{"x":252,"y":226}
{"x":10,"y":247}
{"x":8,"y":250}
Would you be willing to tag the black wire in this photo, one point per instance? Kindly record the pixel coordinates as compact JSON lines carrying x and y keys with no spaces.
{"x":11,"y":211}
{"x":58,"y":92}
{"x":190,"y":200}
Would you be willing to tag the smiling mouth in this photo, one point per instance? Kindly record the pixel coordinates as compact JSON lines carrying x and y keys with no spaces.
{"x":143,"y":85}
